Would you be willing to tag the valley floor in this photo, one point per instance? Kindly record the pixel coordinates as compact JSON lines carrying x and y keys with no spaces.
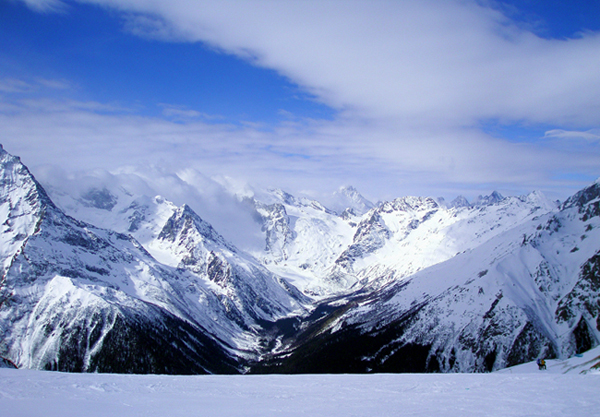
{"x":520,"y":391}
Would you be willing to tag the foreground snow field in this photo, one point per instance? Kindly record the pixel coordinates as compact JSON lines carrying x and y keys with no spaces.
{"x":520,"y":391}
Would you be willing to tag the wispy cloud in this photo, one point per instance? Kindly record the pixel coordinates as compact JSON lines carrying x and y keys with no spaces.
{"x":55,"y":84}
{"x":46,"y":6}
{"x":592,"y":135}
{"x":12,"y":85}
{"x":232,"y":217}
{"x":153,"y":27}
{"x":16,"y":85}
{"x":184,"y":114}
{"x":384,"y":160}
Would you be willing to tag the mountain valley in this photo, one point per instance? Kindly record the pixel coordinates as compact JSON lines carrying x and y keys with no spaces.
{"x":116,"y":280}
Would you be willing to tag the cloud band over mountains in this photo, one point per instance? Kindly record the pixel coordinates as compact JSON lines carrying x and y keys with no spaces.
{"x":414,"y":84}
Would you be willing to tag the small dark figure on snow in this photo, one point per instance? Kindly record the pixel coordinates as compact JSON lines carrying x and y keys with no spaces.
{"x":541,"y":364}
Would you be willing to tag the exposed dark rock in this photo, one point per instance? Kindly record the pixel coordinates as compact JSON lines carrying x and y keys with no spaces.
{"x":99,"y":198}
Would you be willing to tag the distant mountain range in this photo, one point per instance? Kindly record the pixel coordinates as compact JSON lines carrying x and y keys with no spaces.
{"x":111,"y":280}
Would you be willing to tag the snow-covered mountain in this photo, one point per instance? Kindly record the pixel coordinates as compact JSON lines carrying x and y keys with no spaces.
{"x":179,"y":238}
{"x":326,"y":253}
{"x":131,"y":282}
{"x":403,"y":236}
{"x":347,"y":200}
{"x":303,"y":239}
{"x":515,"y":294}
{"x":79,"y":298}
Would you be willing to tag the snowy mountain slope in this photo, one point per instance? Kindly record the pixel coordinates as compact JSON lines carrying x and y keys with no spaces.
{"x":72,"y":296}
{"x":401,"y":237}
{"x":303,"y":238}
{"x":247,"y":289}
{"x":22,"y":202}
{"x":526,"y":292}
{"x":178,"y":237}
{"x":582,"y":364}
{"x":408,"y":285}
{"x":324,"y":252}
{"x":79,"y":298}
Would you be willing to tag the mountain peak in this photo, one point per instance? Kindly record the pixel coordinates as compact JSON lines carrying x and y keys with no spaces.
{"x":488,"y":200}
{"x":411,"y":203}
{"x":459,"y":202}
{"x":348,"y":197}
{"x":348,"y":190}
{"x":185,"y":222}
{"x":283,"y":197}
{"x":538,"y":199}
{"x":18,"y":184}
{"x":589,"y":196}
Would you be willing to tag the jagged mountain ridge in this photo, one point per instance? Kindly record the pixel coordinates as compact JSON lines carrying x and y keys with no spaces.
{"x":351,"y":202}
{"x":74,"y":297}
{"x":530,"y":291}
{"x":179,"y":238}
{"x":327,"y":253}
{"x":403,"y":236}
{"x":374,"y":279}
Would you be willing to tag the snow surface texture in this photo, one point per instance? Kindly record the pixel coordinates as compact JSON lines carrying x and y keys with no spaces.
{"x":522,"y":391}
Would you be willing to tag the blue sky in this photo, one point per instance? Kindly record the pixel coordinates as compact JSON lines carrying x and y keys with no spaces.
{"x":557,"y":19}
{"x":416,"y":97}
{"x":90,"y":49}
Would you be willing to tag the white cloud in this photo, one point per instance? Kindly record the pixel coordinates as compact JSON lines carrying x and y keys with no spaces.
{"x":55,"y":84}
{"x":426,"y":61}
{"x":411,"y":80}
{"x":233,"y":218}
{"x":183,"y":114}
{"x":12,"y":85}
{"x":151,"y":27}
{"x":19,"y":86}
{"x":382,"y":160}
{"x":46,"y":6}
{"x":592,"y":135}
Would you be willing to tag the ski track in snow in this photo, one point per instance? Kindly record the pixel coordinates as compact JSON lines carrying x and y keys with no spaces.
{"x":39,"y":393}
